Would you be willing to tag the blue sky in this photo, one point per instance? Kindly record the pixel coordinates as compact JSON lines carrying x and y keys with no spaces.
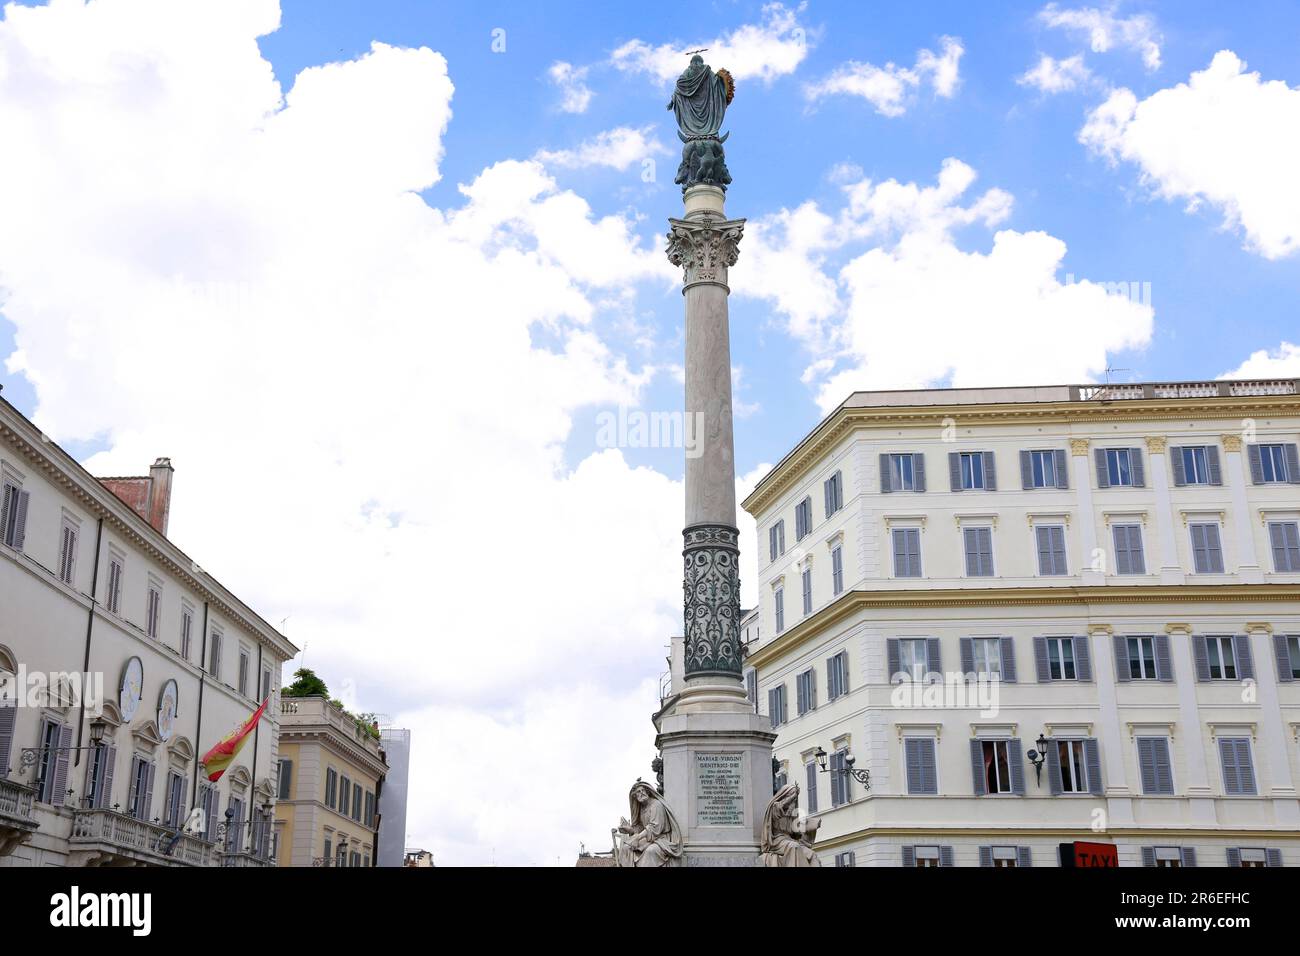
{"x":397,"y":259}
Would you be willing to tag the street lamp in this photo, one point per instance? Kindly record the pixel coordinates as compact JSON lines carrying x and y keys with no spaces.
{"x":31,"y":755}
{"x":861,"y":776}
{"x":1036,"y":757}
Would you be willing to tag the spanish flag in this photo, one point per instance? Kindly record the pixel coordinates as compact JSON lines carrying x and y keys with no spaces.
{"x":223,"y":753}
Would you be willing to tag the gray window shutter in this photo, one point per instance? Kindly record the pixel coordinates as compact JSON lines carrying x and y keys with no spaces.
{"x":59,"y":796}
{"x":1148,"y":856}
{"x":1092,"y":758}
{"x":147,"y":806}
{"x":990,"y":471}
{"x":1202,"y":657}
{"x":1149,"y":764}
{"x":1292,"y":464}
{"x":828,"y":497}
{"x":909,"y":856}
{"x":1213,"y":548}
{"x":967,"y":655}
{"x":1273,"y":855}
{"x":1136,"y":468}
{"x":812,"y":787}
{"x":891,"y":653}
{"x":986,"y":856}
{"x":1164,"y":663}
{"x":885,"y":474}
{"x":771,"y":706}
{"x":1007,"y":646}
{"x":103,"y":796}
{"x":1189,"y":855}
{"x":1103,"y":475}
{"x":1256,"y":465}
{"x":1176,"y":466}
{"x":1281,"y":651}
{"x":1062,"y":471}
{"x":1083,"y":659}
{"x":1024,"y":856}
{"x":1212,"y":462}
{"x":954,"y":471}
{"x":8,"y":719}
{"x":1234,"y":856}
{"x":800,"y":700}
{"x":20,"y":523}
{"x":918,"y":471}
{"x":1245,"y":663}
{"x":912,"y":759}
{"x":1163,"y":769}
{"x":1053,"y":762}
{"x":1044,"y":541}
{"x":1120,"y":643}
{"x":1040,"y":660}
{"x":945,"y":856}
{"x":978,"y":780}
{"x":932,"y":660}
{"x":900,"y":552}
{"x":130,"y":783}
{"x":1026,"y":470}
{"x":1016,"y":758}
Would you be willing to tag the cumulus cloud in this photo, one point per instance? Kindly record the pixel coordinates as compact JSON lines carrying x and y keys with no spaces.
{"x":366,"y":397}
{"x":889,"y":88}
{"x":1281,"y":362}
{"x":1106,"y":30}
{"x":917,"y":309}
{"x":764,"y":51}
{"x":617,"y":148}
{"x":1225,"y":137}
{"x":1051,"y":76}
{"x":575,"y":94}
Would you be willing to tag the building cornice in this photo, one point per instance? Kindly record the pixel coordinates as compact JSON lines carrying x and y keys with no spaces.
{"x":62,"y":470}
{"x":1067,"y":834}
{"x":846,"y":419}
{"x":852,"y":602}
{"x":329,"y":737}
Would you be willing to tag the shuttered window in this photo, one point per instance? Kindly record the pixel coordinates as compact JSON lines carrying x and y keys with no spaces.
{"x":1273,"y":463}
{"x":244,"y":662}
{"x":13,"y":515}
{"x":331,"y":787}
{"x":778,"y":599}
{"x":1120,"y":468}
{"x":1238,"y":772}
{"x":1196,"y":465}
{"x":776,"y":704}
{"x":907,"y":552}
{"x":174,"y":808}
{"x":356,"y":802}
{"x":912,"y":658}
{"x":187,"y":630}
{"x":805,"y":584}
{"x":971,"y":471}
{"x":979,"y":552}
{"x":1207,"y":553}
{"x":345,"y":794}
{"x":997,"y":766}
{"x":922,"y":772}
{"x":286,"y":780}
{"x":1222,"y":656}
{"x":68,"y":538}
{"x":1141,"y":658}
{"x":214,"y":655}
{"x":8,"y":722}
{"x":1128,"y":549}
{"x":837,"y":675}
{"x":1051,"y":549}
{"x":841,"y":782}
{"x":902,"y":472}
{"x":847,"y":858}
{"x":833,"y":492}
{"x":837,"y":569}
{"x":806,"y":691}
{"x":1284,"y":539}
{"x":802,"y":519}
{"x":810,"y":788}
{"x":116,"y":570}
{"x":776,"y":540}
{"x":153,"y":610}
{"x":1043,"y":468}
{"x":751,"y":687}
{"x":1154,"y":765}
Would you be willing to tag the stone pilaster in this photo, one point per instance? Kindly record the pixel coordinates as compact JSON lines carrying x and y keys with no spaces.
{"x":1081,"y":466}
{"x":1234,"y":467}
{"x":1168,"y":568}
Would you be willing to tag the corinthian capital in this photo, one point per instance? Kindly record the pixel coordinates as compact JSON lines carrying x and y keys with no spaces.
{"x":705,"y":248}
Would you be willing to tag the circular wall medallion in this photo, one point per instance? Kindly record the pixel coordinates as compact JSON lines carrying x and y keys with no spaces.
{"x":132,"y":687}
{"x":168,"y":702}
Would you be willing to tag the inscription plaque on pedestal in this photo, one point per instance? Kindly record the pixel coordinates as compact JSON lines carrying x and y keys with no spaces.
{"x":719,"y":793}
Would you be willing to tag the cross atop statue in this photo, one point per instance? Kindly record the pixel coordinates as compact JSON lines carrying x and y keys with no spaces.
{"x":700,"y":101}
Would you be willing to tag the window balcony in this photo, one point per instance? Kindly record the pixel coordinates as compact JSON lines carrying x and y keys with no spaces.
{"x":17,"y":821}
{"x":108,"y":838}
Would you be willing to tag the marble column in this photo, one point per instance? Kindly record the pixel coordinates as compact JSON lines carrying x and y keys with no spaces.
{"x":1081,"y":465}
{"x":1168,"y":568}
{"x":1235,"y":470}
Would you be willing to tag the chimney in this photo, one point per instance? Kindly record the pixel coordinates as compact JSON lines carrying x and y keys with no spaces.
{"x":160,"y":493}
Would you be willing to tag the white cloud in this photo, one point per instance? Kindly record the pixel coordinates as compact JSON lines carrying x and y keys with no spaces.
{"x":915,"y":309}
{"x":617,"y":148}
{"x":572,"y":81}
{"x":1106,"y":31}
{"x":1224,"y":137}
{"x":1052,"y":76}
{"x":1282,"y":362}
{"x":889,"y":88}
{"x":367,"y":433}
{"x":764,"y":51}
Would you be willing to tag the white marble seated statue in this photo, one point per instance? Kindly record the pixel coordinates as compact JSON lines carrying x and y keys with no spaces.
{"x":788,"y":838}
{"x":652,"y":837}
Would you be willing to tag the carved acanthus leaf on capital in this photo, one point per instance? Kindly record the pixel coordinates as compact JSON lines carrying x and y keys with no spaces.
{"x":1231,"y":442}
{"x":705,"y":248}
{"x":1079,"y":447}
{"x":1157,"y":445}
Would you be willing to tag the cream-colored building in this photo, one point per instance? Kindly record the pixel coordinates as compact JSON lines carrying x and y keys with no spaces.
{"x":1116,"y":569}
{"x":332,"y":770}
{"x":94,"y":596}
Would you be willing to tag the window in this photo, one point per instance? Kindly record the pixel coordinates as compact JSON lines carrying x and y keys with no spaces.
{"x":805,"y":691}
{"x":356,"y":802}
{"x":68,"y":536}
{"x":356,"y":859}
{"x":153,"y":609}
{"x":214,"y":655}
{"x":341,"y":858}
{"x":329,"y":850}
{"x":1291,"y":664}
{"x":979,"y":552}
{"x":751,"y":687}
{"x":922,"y":773}
{"x":1238,"y":772}
{"x":285,"y":777}
{"x":802,"y":519}
{"x":1221,"y":657}
{"x":1072,"y":760}
{"x":925,"y":856}
{"x":805,"y":577}
{"x":847,"y":858}
{"x":1141,"y":658}
{"x":1207,"y":554}
{"x":907,"y":552}
{"x":1051,"y":549}
{"x":810,"y":785}
{"x":331,"y":787}
{"x":1170,"y":857}
{"x":776,"y":705}
{"x":266,"y":683}
{"x":235,"y":813}
{"x":187,"y":629}
{"x":139,"y":798}
{"x":208,"y":801}
{"x":345,"y":794}
{"x":1196,"y":465}
{"x":837,"y":569}
{"x":1128,"y":549}
{"x":1060,"y":659}
{"x":1252,"y":856}
{"x":174,"y":809}
{"x":13,"y":515}
{"x":970,"y":470}
{"x":837,"y":675}
{"x":1119,"y":468}
{"x":244,"y":661}
{"x":913,"y":658}
{"x":905,"y":472}
{"x":113,"y":599}
{"x":52,"y":763}
{"x":1043,"y":468}
{"x":100,"y":790}
{"x":369,"y":819}
{"x":1005,"y":857}
{"x":780,"y":779}
{"x":997,"y":758}
{"x":1154,"y":765}
{"x":1284,"y":536}
{"x":776,"y":540}
{"x":841,"y":782}
{"x":986,"y":656}
{"x":1273,"y":463}
{"x":778,"y":597}
{"x":833,"y":489}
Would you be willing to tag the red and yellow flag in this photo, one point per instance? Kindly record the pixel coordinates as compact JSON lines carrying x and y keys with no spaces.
{"x":220,"y":757}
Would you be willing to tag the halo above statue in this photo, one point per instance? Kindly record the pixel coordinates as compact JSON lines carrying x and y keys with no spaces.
{"x":700,"y":101}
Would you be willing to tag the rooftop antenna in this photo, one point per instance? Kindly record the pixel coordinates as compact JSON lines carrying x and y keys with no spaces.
{"x":1109,"y":370}
{"x":702,"y":49}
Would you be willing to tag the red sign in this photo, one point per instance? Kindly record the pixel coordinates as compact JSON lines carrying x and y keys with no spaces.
{"x":1095,"y":854}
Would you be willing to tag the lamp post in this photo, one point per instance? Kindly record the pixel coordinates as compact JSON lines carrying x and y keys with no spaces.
{"x":1036,"y":757}
{"x":861,"y":776}
{"x":30,"y":756}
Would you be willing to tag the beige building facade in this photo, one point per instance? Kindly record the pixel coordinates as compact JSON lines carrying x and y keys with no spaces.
{"x":1037,"y":617}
